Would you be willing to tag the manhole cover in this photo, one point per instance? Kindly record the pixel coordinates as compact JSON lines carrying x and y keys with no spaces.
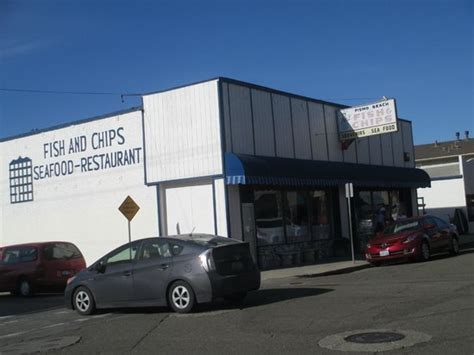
{"x":374,"y":337}
{"x":373,"y":340}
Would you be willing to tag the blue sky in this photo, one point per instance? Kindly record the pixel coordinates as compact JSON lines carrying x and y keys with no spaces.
{"x":353,"y":52}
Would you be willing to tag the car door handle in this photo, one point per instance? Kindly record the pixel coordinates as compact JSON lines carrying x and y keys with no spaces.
{"x":127,"y":273}
{"x":164,"y":266}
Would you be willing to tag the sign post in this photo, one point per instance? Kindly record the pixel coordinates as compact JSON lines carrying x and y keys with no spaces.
{"x":350,"y":194}
{"x":129,"y":209}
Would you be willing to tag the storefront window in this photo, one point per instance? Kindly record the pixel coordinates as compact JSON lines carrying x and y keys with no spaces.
{"x":382,"y":209}
{"x":269,"y":217}
{"x":376,"y":209}
{"x":365,"y":215}
{"x":296,"y":216}
{"x":320,"y":226}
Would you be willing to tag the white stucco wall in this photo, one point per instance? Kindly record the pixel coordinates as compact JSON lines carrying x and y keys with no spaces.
{"x":444,"y":196}
{"x":81,"y":174}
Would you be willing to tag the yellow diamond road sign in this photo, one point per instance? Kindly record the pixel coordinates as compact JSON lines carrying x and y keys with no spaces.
{"x":129,"y":208}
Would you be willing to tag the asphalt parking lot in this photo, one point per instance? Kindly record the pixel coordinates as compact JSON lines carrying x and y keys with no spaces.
{"x":429,"y":302}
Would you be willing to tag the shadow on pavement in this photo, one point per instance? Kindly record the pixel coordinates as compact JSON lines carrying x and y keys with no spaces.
{"x":264,"y":297}
{"x":466,"y":246}
{"x":15,"y":305}
{"x":253,"y":299}
{"x":275,"y":295}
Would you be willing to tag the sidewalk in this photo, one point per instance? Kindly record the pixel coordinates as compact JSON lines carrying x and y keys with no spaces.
{"x":339,"y":267}
{"x":329,"y":268}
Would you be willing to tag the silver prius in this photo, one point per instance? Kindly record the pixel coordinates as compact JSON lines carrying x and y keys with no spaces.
{"x":178,"y":271}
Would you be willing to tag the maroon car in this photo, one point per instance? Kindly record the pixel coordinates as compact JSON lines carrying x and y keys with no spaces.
{"x":413,"y":239}
{"x":38,"y":267}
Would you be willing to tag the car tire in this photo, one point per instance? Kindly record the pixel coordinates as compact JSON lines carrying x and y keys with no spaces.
{"x":24,"y":288}
{"x":425,"y":252}
{"x":376,"y":263}
{"x":454,"y":247}
{"x":181,"y":297}
{"x":236,"y":298}
{"x":83,"y":301}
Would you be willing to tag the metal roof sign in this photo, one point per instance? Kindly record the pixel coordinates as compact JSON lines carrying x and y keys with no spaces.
{"x":129,"y":208}
{"x":367,"y":120}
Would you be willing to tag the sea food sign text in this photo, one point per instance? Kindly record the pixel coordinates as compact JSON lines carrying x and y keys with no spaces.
{"x":100,"y":150}
{"x":367,"y":120}
{"x":86,"y":153}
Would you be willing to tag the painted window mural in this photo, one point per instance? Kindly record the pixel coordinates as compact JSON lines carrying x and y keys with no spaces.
{"x":21,"y":180}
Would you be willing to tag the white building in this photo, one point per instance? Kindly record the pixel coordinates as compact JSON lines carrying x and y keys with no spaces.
{"x":221,"y":157}
{"x":450,"y":166}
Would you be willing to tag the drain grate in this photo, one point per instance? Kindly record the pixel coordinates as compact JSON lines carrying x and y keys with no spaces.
{"x":374,"y":337}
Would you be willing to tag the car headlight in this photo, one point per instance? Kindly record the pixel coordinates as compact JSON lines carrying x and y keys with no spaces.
{"x":410,"y":238}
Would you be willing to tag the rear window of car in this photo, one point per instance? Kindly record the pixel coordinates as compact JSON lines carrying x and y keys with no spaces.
{"x":19,"y":255}
{"x":61,"y":251}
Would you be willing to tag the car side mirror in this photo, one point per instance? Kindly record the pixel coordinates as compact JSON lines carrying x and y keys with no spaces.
{"x":100,"y":267}
{"x":429,"y":226}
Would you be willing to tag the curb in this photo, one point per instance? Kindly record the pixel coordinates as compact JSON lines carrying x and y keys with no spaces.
{"x":336,"y":272}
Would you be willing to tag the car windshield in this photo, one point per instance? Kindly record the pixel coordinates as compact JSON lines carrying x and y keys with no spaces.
{"x":402,"y":226}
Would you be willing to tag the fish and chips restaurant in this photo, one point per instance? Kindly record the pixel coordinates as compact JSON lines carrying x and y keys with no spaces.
{"x":221,"y":157}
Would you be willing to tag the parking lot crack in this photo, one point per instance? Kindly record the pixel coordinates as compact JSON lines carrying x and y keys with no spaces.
{"x":149,"y":332}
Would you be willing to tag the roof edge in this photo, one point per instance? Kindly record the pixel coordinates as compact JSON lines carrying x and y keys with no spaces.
{"x":73,"y":123}
{"x":257,"y":87}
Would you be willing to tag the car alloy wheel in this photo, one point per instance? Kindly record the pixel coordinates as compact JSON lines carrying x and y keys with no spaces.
{"x":83,"y":301}
{"x":454,"y":246}
{"x":425,"y":251}
{"x":24,"y":288}
{"x":181,"y":297}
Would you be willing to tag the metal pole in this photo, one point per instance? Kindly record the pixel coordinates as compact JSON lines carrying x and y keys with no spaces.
{"x":130,"y":239}
{"x":350,"y":228}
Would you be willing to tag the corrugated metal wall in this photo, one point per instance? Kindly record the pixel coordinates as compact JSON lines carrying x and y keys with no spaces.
{"x":182,"y":132}
{"x":263,"y":122}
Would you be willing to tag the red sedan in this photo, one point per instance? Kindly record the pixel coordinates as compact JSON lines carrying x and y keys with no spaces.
{"x":413,"y":239}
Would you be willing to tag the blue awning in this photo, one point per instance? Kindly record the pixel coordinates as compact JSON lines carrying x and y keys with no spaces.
{"x":243,"y":169}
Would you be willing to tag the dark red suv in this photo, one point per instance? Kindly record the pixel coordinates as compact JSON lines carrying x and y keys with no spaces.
{"x":413,"y":239}
{"x":38,"y":267}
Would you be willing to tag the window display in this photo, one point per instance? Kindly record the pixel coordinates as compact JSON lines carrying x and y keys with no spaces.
{"x":320,"y":226}
{"x":296,"y":216}
{"x":269,"y":217}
